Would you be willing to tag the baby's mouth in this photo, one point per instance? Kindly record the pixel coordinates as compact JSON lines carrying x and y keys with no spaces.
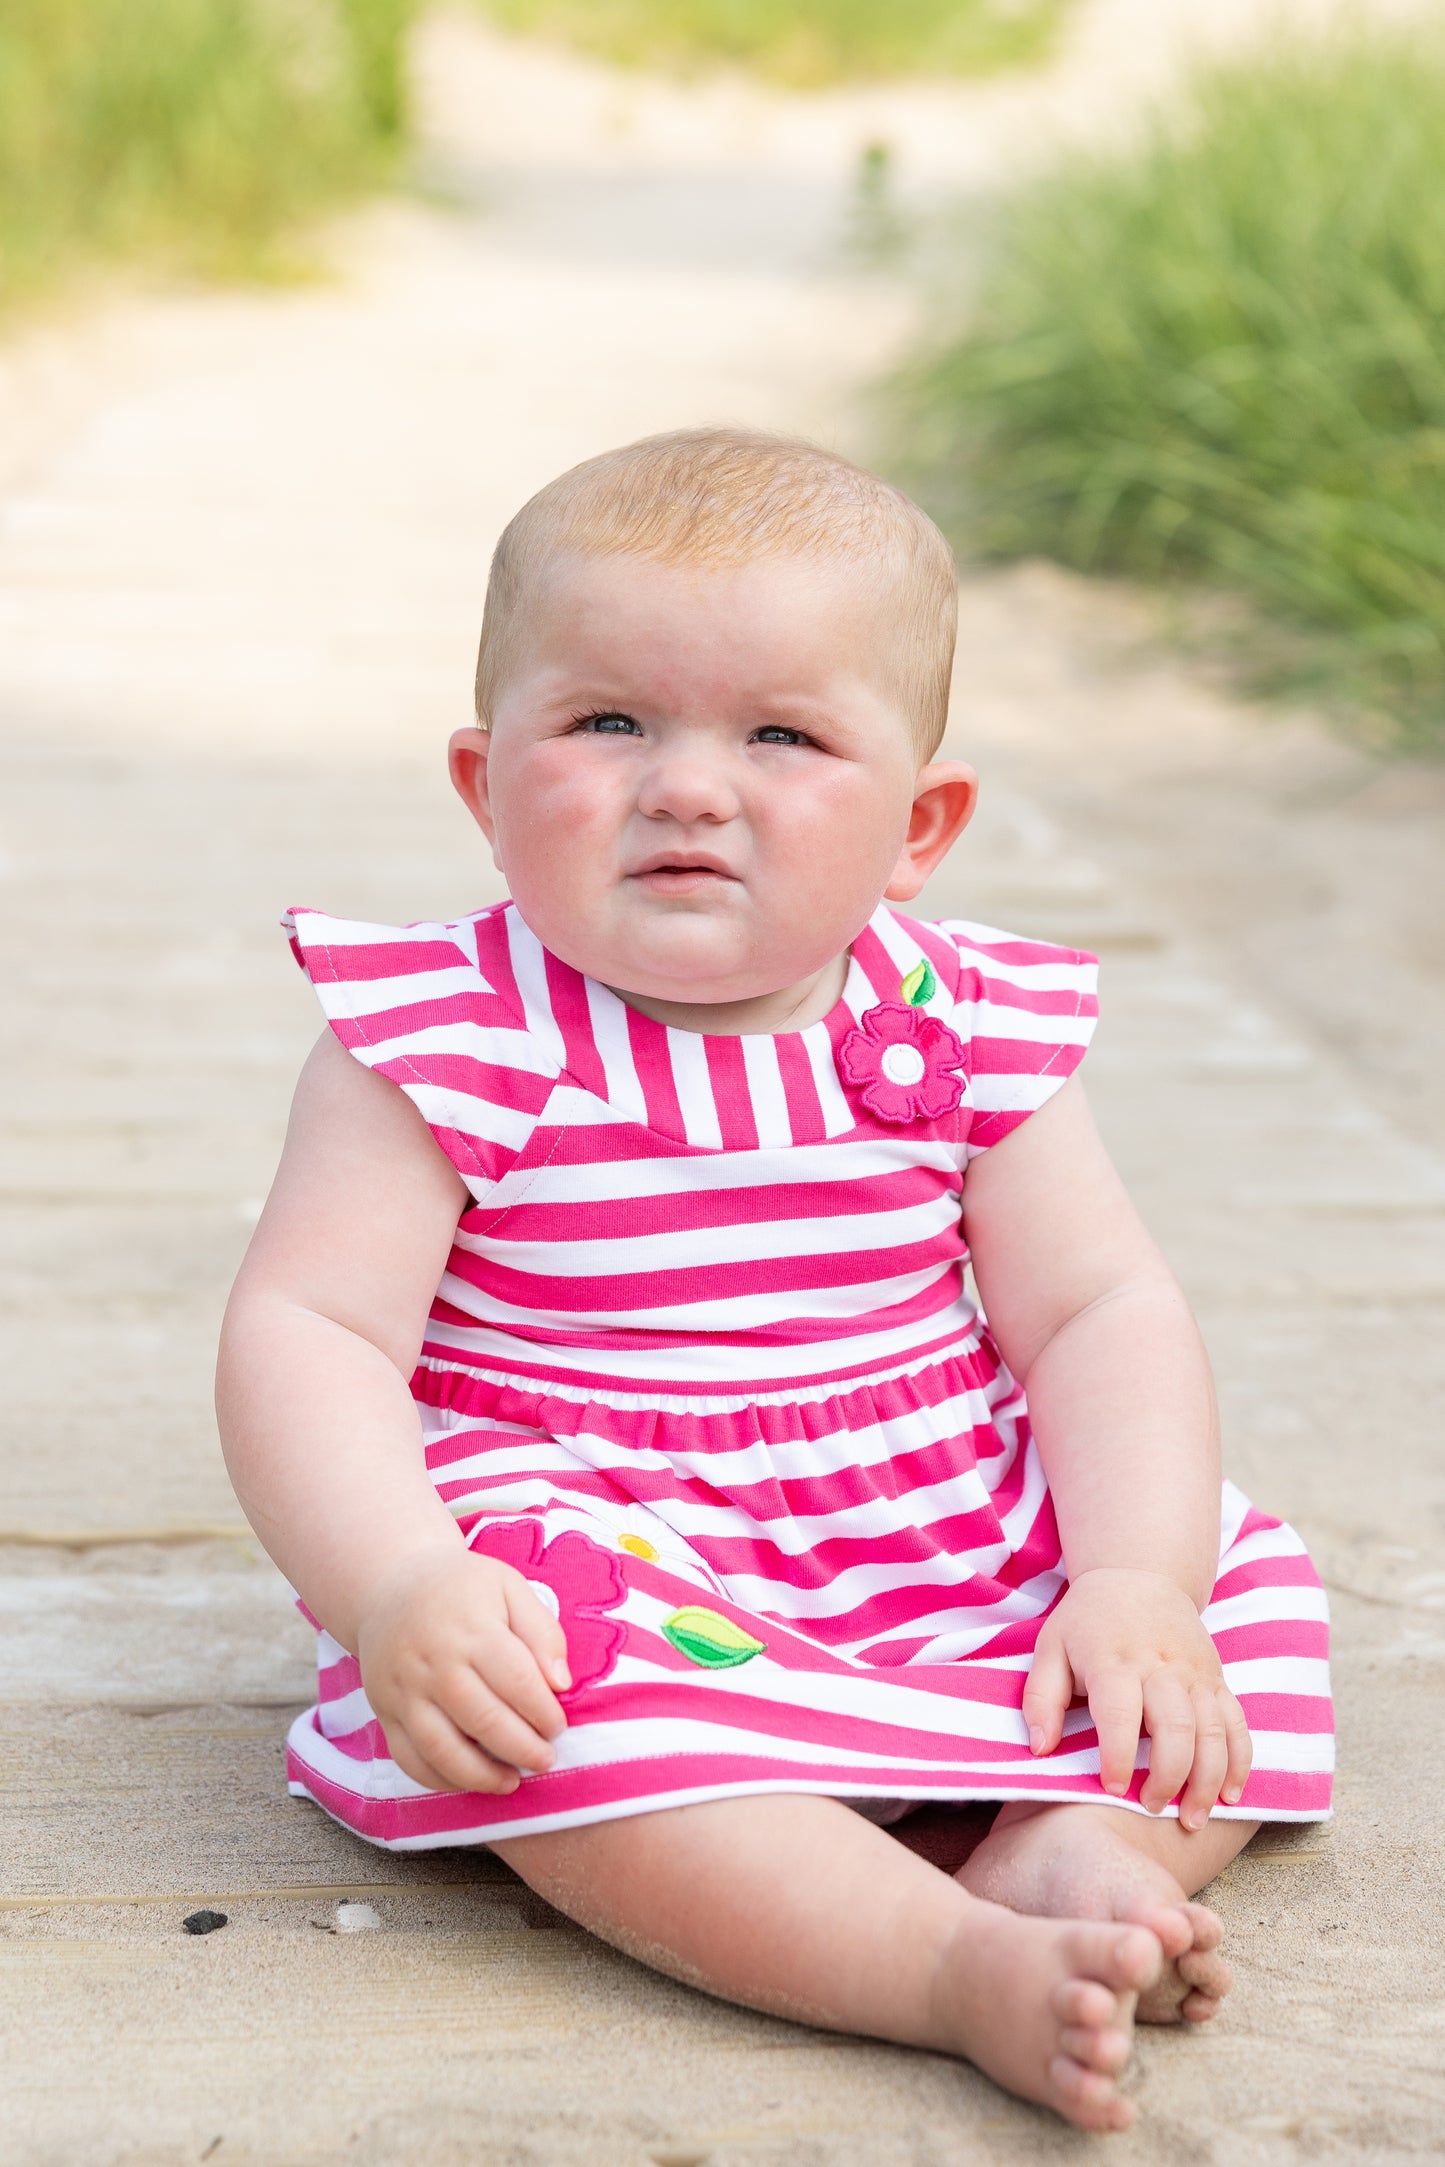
{"x":682,"y":876}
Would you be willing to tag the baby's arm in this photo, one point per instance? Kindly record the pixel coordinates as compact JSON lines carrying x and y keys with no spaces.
{"x":323,"y":1443}
{"x":1093,"y":1324}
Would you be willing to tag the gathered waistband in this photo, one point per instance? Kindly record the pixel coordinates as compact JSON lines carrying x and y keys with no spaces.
{"x":473,"y":1390}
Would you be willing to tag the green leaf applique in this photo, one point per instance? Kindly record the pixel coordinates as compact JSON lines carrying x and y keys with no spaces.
{"x":709,"y":1639}
{"x":920,"y":985}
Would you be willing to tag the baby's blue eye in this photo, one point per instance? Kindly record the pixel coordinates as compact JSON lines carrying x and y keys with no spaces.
{"x":610,"y":725}
{"x":775,"y":734}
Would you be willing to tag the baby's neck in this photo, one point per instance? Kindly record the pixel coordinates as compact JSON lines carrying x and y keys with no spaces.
{"x":791,"y":1008}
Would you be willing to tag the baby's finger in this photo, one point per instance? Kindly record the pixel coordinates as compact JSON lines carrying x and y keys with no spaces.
{"x":1169,"y":1720}
{"x":1047,"y":1693}
{"x":542,"y":1633}
{"x":476,"y":1701}
{"x":506,"y":1664}
{"x":431,"y":1750}
{"x":1116,"y":1705}
{"x":1211,"y":1759}
{"x":1241,"y":1746}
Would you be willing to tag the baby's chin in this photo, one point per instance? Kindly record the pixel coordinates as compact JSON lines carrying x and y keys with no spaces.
{"x":693,"y":971}
{"x":689,"y":953}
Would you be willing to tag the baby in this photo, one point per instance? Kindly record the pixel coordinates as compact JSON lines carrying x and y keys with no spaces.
{"x":603,"y":1374}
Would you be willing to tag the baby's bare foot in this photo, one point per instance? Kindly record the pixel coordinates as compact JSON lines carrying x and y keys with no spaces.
{"x":1088,"y":1862}
{"x":1046,"y":2007}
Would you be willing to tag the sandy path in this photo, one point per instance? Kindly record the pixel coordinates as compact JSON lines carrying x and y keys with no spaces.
{"x":241,"y":554}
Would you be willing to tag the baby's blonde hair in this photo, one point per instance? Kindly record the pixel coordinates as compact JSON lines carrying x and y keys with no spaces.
{"x":727,"y":497}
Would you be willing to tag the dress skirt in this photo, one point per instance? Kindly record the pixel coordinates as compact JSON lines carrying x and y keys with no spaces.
{"x":719,"y":1647}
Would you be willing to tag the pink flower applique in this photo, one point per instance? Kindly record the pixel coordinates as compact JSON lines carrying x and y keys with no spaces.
{"x":902,"y":1060}
{"x":572,"y":1576}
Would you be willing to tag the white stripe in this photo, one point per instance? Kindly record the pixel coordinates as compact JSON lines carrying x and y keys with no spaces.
{"x":372,"y":997}
{"x":617,"y":1181}
{"x":529,"y":968}
{"x":692,"y":1081}
{"x":1306,"y":1676}
{"x":838,"y":1114}
{"x":1260,"y":1543}
{"x":1265,"y":1605}
{"x":713,"y":1368}
{"x":1028,"y":1024}
{"x":765,"y":1089}
{"x":496,"y":1048}
{"x":725,"y":1313}
{"x":608,"y":1018}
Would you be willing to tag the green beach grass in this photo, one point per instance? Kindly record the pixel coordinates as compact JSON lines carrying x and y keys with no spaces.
{"x":191,"y":131}
{"x":1221,"y":358}
{"x":799,"y":43}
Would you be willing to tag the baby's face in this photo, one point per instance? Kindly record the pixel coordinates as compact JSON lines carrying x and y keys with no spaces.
{"x":698,"y":783}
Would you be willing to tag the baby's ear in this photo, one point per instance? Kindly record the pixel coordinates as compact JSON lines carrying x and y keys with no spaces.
{"x":467,"y":764}
{"x":943,"y":801}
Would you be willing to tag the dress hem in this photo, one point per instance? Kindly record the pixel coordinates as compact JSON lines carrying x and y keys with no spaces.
{"x":334,"y":1798}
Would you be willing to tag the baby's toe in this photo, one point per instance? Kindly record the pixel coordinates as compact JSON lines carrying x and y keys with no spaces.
{"x":1197,"y":2008}
{"x":1086,"y":2097}
{"x":1128,"y":1959}
{"x":1101,"y":2047}
{"x":1168,"y":1923}
{"x":1206,"y":1926}
{"x":1206,"y":1971}
{"x":1084,"y":2001}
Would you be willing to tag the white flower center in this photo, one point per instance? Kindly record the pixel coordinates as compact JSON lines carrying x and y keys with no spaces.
{"x":903,"y":1064}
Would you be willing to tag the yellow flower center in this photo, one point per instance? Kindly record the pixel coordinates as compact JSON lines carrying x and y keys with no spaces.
{"x":639,"y":1546}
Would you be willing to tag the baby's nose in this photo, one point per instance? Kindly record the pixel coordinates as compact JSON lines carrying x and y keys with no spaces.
{"x":688,"y":785}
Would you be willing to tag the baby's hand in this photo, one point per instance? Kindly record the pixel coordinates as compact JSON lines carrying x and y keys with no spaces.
{"x":456,"y":1656}
{"x":1135,"y":1646}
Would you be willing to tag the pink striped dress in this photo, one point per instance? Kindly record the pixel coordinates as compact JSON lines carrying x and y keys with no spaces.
{"x":704,"y":1367}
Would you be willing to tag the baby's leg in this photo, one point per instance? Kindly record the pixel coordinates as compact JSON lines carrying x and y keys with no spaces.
{"x":1100,"y":1862}
{"x":799,"y":1906}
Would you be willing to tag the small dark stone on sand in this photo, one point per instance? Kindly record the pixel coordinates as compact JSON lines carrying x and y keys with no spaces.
{"x":203,"y":1922}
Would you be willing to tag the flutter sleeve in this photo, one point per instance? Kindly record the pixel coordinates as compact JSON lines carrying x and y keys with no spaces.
{"x":1025,"y":1011}
{"x":413,"y":1003}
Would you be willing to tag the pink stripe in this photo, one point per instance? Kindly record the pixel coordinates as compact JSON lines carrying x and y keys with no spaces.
{"x":563,"y":1791}
{"x":727,"y":1072}
{"x":653,"y":1063}
{"x":805,"y":1112}
{"x":1272,"y":1572}
{"x":1018,"y":952}
{"x":519,"y":1090}
{"x":567,"y":993}
{"x":494,"y":956}
{"x":1273,"y":1636}
{"x":1000,"y":993}
{"x":352,"y":963}
{"x":769,"y":1204}
{"x":877,"y":966}
{"x":1304,"y":1714}
{"x":673,"y":1287}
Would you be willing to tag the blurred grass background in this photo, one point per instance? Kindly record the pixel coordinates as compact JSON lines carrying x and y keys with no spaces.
{"x":1222,"y":357}
{"x":190,"y":130}
{"x":1216,"y":359}
{"x":801,"y":44}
